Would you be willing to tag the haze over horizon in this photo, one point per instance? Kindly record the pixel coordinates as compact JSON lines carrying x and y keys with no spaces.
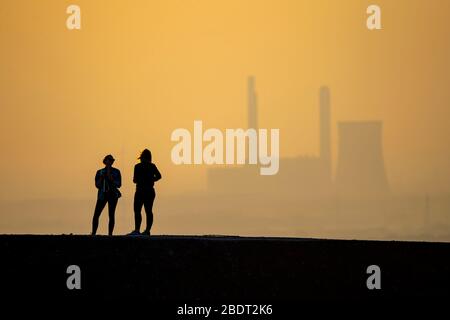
{"x":133,"y":74}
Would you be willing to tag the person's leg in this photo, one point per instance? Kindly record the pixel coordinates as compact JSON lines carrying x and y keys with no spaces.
{"x":98,"y":210}
{"x":138,"y":203}
{"x":148,"y":204}
{"x":112,"y":204}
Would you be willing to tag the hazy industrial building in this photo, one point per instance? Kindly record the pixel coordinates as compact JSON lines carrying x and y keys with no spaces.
{"x":360,"y":167}
{"x":302,"y":175}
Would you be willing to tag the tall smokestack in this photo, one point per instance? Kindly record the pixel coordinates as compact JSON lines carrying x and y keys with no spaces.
{"x":325,"y":135}
{"x":252,"y":116}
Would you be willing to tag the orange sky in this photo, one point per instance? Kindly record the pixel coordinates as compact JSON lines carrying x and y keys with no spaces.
{"x":135,"y":72}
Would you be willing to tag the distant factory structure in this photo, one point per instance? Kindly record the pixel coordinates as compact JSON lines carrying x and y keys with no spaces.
{"x":360,"y":167}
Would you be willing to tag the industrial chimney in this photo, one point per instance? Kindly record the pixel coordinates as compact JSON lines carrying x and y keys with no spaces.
{"x":325,"y":134}
{"x":252,"y":116}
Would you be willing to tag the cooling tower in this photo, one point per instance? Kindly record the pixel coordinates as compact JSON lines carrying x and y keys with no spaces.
{"x":360,"y":169}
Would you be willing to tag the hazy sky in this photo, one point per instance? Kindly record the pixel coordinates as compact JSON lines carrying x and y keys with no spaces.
{"x":137,"y":70}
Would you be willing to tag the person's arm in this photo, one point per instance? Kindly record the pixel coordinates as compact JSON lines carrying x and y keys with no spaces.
{"x":135,"y":174}
{"x":98,"y":179}
{"x":117,"y":179}
{"x":156,"y":174}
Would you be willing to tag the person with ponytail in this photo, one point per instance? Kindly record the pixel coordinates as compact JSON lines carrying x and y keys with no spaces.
{"x":145,"y":175}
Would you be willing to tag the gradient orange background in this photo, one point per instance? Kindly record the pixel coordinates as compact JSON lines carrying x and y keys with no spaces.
{"x":138,"y":70}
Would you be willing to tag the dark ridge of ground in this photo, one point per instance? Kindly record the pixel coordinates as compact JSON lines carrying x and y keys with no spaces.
{"x":219,"y":269}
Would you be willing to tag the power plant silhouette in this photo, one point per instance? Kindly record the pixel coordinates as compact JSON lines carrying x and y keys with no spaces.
{"x":360,"y":167}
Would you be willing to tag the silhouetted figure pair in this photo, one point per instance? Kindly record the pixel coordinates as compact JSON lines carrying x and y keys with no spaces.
{"x":108,"y":181}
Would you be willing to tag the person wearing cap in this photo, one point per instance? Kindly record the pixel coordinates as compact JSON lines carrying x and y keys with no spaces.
{"x":145,"y":175}
{"x":108,"y":181}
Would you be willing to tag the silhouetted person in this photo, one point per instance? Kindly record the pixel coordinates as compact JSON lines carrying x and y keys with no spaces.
{"x":107,"y":181}
{"x":145,"y":175}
